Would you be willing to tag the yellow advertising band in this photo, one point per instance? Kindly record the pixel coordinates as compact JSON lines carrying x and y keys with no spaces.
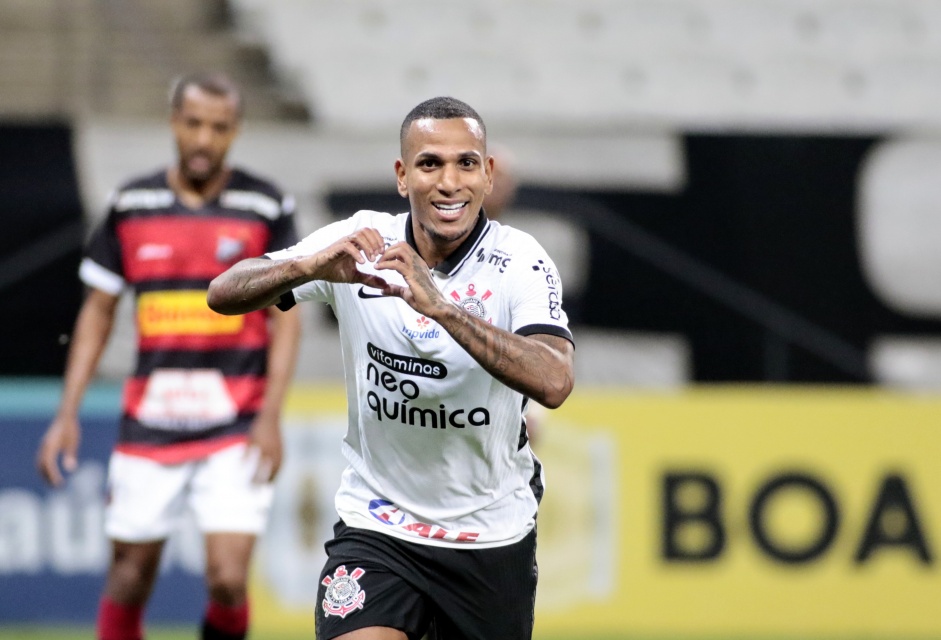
{"x":161,"y":313}
{"x":722,"y":512}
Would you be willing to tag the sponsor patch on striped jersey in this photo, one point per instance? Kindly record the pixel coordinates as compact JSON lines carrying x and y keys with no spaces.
{"x":186,"y":399}
{"x":164,"y":313}
{"x":251,"y":201}
{"x":143,"y":199}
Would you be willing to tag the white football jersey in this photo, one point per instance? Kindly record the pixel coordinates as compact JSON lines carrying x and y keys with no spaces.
{"x":436,"y":445}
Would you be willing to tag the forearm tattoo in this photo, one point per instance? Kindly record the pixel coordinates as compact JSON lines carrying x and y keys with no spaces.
{"x":535,"y":371}
{"x":260,"y":284}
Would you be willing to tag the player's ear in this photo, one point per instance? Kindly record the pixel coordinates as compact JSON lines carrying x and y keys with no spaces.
{"x":488,"y":169}
{"x":400,"y":181}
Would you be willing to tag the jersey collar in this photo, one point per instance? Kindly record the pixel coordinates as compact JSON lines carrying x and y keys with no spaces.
{"x":454,"y":261}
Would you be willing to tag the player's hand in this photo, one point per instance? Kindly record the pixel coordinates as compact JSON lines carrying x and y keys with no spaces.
{"x":62,"y":438}
{"x":419,"y":291}
{"x":338,"y":262}
{"x":265,"y":442}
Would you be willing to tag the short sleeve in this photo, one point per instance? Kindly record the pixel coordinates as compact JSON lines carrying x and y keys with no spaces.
{"x":102,"y":265}
{"x":283,"y":227}
{"x":318,"y":240}
{"x":536,"y":297}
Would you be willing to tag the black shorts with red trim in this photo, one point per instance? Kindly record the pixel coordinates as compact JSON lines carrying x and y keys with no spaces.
{"x":374,"y":580}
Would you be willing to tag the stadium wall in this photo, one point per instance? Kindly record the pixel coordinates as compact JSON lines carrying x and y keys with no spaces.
{"x":39,"y":248}
{"x":711,"y":512}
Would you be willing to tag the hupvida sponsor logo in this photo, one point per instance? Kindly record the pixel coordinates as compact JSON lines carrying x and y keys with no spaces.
{"x":422,"y":330}
{"x":552,"y":280}
{"x":389,"y":399}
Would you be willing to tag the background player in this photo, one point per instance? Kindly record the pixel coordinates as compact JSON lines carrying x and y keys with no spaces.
{"x":448,"y":322}
{"x":201,"y":412}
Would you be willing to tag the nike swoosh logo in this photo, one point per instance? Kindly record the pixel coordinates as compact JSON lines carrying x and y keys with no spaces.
{"x":366,"y":296}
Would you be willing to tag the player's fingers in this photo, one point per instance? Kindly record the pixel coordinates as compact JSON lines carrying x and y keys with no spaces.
{"x":52,"y":475}
{"x":251,"y":452}
{"x":396,"y":258}
{"x":263,"y":471}
{"x":374,"y":240}
{"x":396,"y":251}
{"x":351,"y":248}
{"x":395,"y":290}
{"x":393,"y":265}
{"x":275,"y":468}
{"x":70,"y":457}
{"x":371,"y":280}
{"x":402,"y":258}
{"x":256,"y":458}
{"x":367,"y":241}
{"x":70,"y":462}
{"x":48,"y":468}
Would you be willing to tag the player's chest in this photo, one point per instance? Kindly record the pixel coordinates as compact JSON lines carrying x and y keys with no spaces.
{"x":161,"y":247}
{"x":393,"y":323}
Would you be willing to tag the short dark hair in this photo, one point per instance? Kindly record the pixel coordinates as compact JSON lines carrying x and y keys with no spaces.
{"x":440,"y":108}
{"x":213,"y":82}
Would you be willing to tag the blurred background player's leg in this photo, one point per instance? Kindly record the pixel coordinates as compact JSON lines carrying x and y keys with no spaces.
{"x":130,"y":581}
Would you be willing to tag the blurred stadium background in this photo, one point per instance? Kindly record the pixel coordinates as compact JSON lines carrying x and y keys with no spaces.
{"x":743,"y":199}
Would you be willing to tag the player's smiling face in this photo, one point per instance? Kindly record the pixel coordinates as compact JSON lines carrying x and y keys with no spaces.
{"x":445,"y":173}
{"x":205,"y":125}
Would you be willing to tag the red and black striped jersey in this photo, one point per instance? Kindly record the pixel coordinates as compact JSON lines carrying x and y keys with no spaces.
{"x":199,"y":379}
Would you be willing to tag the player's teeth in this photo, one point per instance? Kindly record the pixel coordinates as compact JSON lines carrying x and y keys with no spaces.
{"x":450,"y":207}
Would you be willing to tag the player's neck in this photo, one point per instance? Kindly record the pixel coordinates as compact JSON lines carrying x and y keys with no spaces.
{"x":196,"y":194}
{"x":435,"y":247}
{"x":434,"y":250}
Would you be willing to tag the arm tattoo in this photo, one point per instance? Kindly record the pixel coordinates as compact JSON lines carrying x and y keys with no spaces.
{"x":257,"y":284}
{"x":539,"y":371}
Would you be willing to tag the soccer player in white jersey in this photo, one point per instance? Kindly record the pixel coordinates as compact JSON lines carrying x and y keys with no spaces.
{"x":450,"y":322}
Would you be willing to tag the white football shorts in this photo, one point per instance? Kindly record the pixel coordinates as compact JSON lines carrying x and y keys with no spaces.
{"x":147,"y":498}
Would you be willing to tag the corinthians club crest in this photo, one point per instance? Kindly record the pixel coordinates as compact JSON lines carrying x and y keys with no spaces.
{"x":343,"y":593}
{"x":473,"y":303}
